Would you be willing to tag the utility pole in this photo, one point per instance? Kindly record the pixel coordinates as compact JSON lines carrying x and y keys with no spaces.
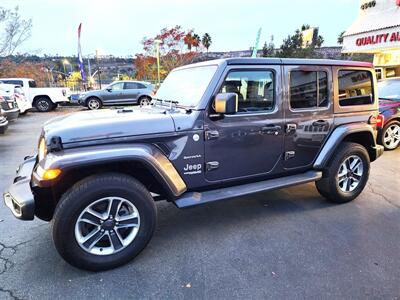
{"x":158,"y":42}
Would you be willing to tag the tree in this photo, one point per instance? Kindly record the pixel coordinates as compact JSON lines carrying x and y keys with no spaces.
{"x":188,"y":40}
{"x":172,"y":53}
{"x":206,"y":41}
{"x":293,"y":46}
{"x":16,"y":30}
{"x":340,"y":38}
{"x":320,"y":41}
{"x":196,"y":41}
{"x":268,"y":50}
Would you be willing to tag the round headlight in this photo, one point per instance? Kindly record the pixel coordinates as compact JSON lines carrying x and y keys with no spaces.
{"x":42,"y":149}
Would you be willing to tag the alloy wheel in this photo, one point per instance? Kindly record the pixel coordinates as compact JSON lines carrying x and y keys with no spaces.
{"x":107,"y":226}
{"x":93,"y":104}
{"x":391,"y":137}
{"x":350,"y":173}
{"x":43,"y":105}
{"x":144,"y":101}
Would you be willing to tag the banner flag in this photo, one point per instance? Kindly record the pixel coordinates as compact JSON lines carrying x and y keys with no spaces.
{"x":80,"y":60}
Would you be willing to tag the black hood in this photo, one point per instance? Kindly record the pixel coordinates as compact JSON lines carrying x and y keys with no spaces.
{"x":107,"y":123}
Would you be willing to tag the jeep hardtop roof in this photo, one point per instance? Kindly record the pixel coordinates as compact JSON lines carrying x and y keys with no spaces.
{"x":281,"y":61}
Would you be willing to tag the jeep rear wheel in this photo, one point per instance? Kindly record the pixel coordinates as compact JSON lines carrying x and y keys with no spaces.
{"x":346,"y":175}
{"x":103,"y":221}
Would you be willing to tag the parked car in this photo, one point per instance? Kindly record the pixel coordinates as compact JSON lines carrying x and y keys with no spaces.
{"x":97,"y":175}
{"x":3,"y":123}
{"x":8,"y":106}
{"x":389,"y":107}
{"x":16,"y":92}
{"x":43,"y":99}
{"x":118,"y":93}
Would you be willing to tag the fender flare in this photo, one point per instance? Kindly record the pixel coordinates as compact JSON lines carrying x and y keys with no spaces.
{"x":150,"y":156}
{"x":338,"y":135}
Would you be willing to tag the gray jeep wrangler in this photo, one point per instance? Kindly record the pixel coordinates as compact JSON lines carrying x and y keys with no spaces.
{"x":216,"y":130}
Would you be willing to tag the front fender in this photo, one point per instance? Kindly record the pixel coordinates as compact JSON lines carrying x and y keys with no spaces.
{"x":154,"y":160}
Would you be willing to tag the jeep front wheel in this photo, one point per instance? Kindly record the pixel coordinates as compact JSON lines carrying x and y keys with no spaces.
{"x":103,"y":221}
{"x":346,"y":175}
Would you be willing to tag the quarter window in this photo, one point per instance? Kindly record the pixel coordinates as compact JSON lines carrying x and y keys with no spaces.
{"x":255,"y":90}
{"x":355,"y":87}
{"x":131,"y":86}
{"x":308,"y":89}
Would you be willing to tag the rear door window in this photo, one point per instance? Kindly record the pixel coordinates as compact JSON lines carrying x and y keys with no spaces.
{"x":308,"y":89}
{"x":355,"y":87}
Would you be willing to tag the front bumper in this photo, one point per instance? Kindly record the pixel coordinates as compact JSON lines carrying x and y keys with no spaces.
{"x":18,"y":197}
{"x":11,"y":114}
{"x":3,"y":125}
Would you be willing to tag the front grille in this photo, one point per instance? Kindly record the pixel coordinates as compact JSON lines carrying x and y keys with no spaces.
{"x":4,"y":105}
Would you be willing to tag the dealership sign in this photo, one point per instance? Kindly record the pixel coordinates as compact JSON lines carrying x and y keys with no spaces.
{"x":378,"y":39}
{"x":373,"y":41}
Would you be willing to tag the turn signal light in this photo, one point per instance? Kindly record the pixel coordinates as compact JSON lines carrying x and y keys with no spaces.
{"x":51,"y":174}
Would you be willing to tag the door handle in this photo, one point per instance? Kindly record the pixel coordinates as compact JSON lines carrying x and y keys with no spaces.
{"x":320,"y":123}
{"x":271,"y":129}
{"x":211,"y":134}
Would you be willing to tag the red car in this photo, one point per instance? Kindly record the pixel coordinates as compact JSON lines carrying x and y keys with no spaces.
{"x":389,"y":107}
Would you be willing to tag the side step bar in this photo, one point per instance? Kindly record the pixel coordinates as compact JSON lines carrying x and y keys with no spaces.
{"x":194,"y":198}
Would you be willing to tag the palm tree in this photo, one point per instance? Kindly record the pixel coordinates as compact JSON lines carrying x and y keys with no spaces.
{"x":206,"y":41}
{"x":196,"y":40}
{"x":188,"y":40}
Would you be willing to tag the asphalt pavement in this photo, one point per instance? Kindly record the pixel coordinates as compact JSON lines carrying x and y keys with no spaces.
{"x":286,"y":244}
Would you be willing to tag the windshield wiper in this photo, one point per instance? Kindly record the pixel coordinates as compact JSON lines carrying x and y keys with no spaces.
{"x":173,"y":102}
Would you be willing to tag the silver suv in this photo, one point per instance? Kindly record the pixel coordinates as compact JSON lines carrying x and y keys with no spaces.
{"x":118,"y":92}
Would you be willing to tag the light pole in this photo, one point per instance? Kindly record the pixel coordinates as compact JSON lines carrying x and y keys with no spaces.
{"x":158,"y":42}
{"x":64,"y":62}
{"x":98,"y":67}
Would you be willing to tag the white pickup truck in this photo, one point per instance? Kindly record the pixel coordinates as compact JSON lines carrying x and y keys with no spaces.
{"x":44,"y":99}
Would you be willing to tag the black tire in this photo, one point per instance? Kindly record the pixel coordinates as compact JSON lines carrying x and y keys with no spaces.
{"x":84,"y":193}
{"x":93,"y":103}
{"x":396,"y":142}
{"x":329,"y":187}
{"x":44,"y":104}
{"x":144,"y":100}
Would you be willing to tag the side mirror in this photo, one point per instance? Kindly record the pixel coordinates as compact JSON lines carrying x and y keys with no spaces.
{"x":109,"y":89}
{"x":226,"y":103}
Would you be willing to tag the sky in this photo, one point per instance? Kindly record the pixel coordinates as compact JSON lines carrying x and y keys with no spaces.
{"x":117,"y":27}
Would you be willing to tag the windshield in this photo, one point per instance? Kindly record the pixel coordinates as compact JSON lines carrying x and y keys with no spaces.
{"x":186,"y":86}
{"x":389,"y":89}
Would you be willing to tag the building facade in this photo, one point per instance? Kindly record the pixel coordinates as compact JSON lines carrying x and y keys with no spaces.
{"x":377,"y":31}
